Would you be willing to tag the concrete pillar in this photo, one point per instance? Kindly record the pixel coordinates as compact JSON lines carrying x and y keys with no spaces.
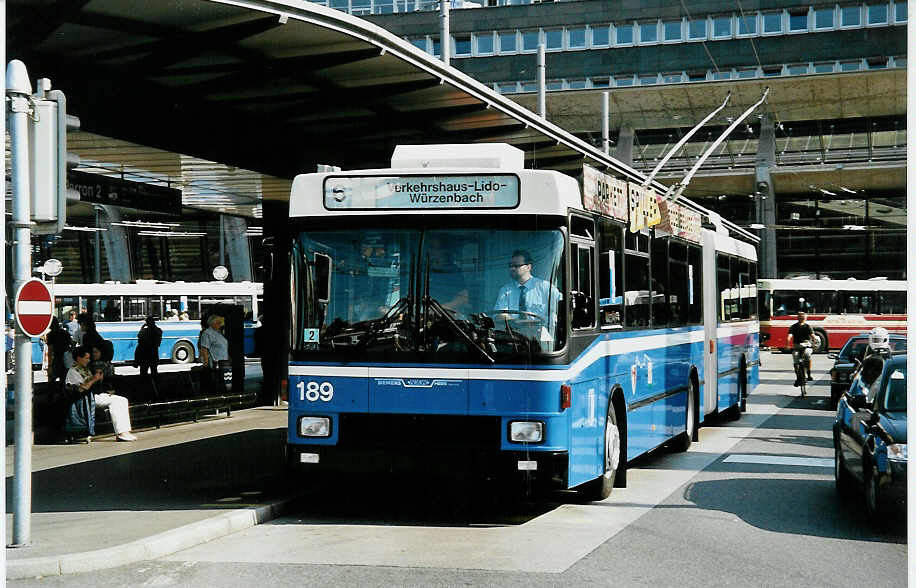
{"x":117,"y":245}
{"x":237,"y":249}
{"x":624,"y":151}
{"x":766,"y":198}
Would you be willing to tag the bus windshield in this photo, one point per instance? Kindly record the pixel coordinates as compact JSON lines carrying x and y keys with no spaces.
{"x":421,"y":295}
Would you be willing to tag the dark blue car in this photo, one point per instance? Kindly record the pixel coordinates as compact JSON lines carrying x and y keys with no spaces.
{"x":869,"y":436}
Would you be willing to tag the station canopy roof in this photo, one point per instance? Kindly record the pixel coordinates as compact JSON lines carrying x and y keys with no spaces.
{"x":196,"y":90}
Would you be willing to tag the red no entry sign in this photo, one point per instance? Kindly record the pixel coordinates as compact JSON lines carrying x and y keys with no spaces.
{"x":34,"y":308}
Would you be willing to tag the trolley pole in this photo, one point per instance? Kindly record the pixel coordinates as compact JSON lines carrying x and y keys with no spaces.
{"x":19,"y":89}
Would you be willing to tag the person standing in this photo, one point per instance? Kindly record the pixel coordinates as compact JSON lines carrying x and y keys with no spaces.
{"x":214,"y":348}
{"x":60,"y":358}
{"x":146,"y":355}
{"x":72,"y":325}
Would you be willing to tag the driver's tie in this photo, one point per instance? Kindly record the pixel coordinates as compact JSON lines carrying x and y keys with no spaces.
{"x":522,"y":304}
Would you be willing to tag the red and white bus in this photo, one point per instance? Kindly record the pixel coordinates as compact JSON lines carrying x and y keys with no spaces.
{"x":837,"y":309}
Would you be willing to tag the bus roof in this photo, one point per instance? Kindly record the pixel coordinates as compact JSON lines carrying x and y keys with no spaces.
{"x":155,"y":288}
{"x":833,"y":285}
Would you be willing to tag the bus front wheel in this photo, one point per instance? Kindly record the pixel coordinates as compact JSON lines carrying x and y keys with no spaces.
{"x":822,"y":343}
{"x":182,"y":352}
{"x":601,"y":488}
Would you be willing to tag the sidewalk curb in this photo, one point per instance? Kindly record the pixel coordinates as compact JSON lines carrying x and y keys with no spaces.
{"x":153,"y":547}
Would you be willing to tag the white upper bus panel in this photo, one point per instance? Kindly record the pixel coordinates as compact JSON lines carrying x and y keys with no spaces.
{"x":727,"y":244}
{"x":434,"y":190}
{"x":501,"y":156}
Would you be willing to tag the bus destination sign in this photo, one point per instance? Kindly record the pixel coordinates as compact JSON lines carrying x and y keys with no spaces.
{"x":421,"y":192}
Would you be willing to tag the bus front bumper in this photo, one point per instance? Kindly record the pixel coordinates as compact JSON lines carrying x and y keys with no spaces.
{"x":543,"y":470}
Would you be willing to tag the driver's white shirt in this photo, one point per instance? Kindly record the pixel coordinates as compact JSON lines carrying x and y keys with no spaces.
{"x":536,"y":297}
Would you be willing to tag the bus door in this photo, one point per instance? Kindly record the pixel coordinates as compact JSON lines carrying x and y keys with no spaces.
{"x":711,"y":301}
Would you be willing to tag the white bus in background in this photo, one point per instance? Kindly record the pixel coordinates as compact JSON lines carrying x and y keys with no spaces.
{"x":119,"y":310}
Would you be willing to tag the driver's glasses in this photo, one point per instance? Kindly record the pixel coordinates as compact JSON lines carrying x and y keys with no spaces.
{"x":517,"y":265}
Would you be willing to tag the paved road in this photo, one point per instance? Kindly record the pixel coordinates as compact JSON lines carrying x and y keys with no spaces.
{"x":752,"y":504}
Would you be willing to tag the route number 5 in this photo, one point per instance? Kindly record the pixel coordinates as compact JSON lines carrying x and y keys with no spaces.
{"x":313,"y":391}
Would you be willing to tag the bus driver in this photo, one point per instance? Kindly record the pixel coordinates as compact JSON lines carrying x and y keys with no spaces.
{"x":526,"y":295}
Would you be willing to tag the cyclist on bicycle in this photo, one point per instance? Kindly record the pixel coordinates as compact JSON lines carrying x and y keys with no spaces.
{"x":798,"y":334}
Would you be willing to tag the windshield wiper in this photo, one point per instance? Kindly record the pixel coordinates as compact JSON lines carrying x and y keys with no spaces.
{"x":436,"y":306}
{"x":381,"y":324}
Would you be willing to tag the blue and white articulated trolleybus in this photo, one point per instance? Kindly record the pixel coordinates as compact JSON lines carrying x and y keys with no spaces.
{"x":460,"y":309}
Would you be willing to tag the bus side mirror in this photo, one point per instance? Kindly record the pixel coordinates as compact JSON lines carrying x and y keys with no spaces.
{"x":322,"y":277}
{"x":269,"y":244}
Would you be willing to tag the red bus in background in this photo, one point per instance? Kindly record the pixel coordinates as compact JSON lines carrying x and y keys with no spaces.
{"x":837,"y":309}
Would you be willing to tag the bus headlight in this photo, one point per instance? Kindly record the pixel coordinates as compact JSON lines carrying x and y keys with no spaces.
{"x":526,"y":431}
{"x":314,"y":426}
{"x":896,"y":452}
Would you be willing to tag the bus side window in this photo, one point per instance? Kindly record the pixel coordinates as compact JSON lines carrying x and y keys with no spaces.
{"x":583,"y":301}
{"x":695,"y":282}
{"x":661,"y":316}
{"x":678,"y":283}
{"x":610,"y":273}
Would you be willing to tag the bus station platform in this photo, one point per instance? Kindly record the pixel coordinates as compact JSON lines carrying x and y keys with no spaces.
{"x":105,"y":504}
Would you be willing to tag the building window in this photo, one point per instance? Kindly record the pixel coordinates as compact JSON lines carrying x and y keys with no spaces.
{"x":484,"y":43}
{"x":648,"y":32}
{"x":877,"y":14}
{"x":530,"y":40}
{"x":601,"y":36}
{"x":341,"y":5}
{"x":436,"y":50}
{"x":554,"y":39}
{"x":747,"y":24}
{"x":798,"y":20}
{"x":601,"y":82}
{"x":877,"y":62}
{"x":672,"y":78}
{"x":529,"y":87}
{"x":623,"y":81}
{"x":578,"y":84}
{"x":849,"y":65}
{"x":725,"y":74}
{"x":772,"y":71}
{"x":696,"y":76}
{"x":851,"y":16}
{"x":577,"y":38}
{"x":624,"y":34}
{"x":824,"y":18}
{"x":420,"y":44}
{"x":823,"y":67}
{"x":359,"y":7}
{"x":900,"y":62}
{"x":383,"y":7}
{"x":721,"y":27}
{"x":899,"y":11}
{"x":696,"y":29}
{"x":508,"y":88}
{"x":648,"y":79}
{"x":798,"y":69}
{"x":772,"y":22}
{"x":508,"y":42}
{"x":673,"y":30}
{"x":553,"y":85}
{"x":747,"y":72}
{"x":462,"y":45}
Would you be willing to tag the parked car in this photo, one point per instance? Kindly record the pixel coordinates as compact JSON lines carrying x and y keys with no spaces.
{"x":869,"y":436}
{"x":845,"y":362}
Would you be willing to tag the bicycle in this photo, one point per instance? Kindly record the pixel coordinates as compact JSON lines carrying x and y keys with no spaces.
{"x":801,"y":355}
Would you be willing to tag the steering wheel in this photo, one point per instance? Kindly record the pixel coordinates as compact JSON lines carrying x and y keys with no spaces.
{"x":523,"y":313}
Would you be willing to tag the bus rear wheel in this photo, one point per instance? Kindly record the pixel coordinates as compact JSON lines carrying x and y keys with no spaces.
{"x":822,"y":344}
{"x":601,"y":488}
{"x":182,"y":352}
{"x":682,"y":442}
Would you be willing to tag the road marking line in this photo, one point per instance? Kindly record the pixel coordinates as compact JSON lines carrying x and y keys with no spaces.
{"x":812,"y":462}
